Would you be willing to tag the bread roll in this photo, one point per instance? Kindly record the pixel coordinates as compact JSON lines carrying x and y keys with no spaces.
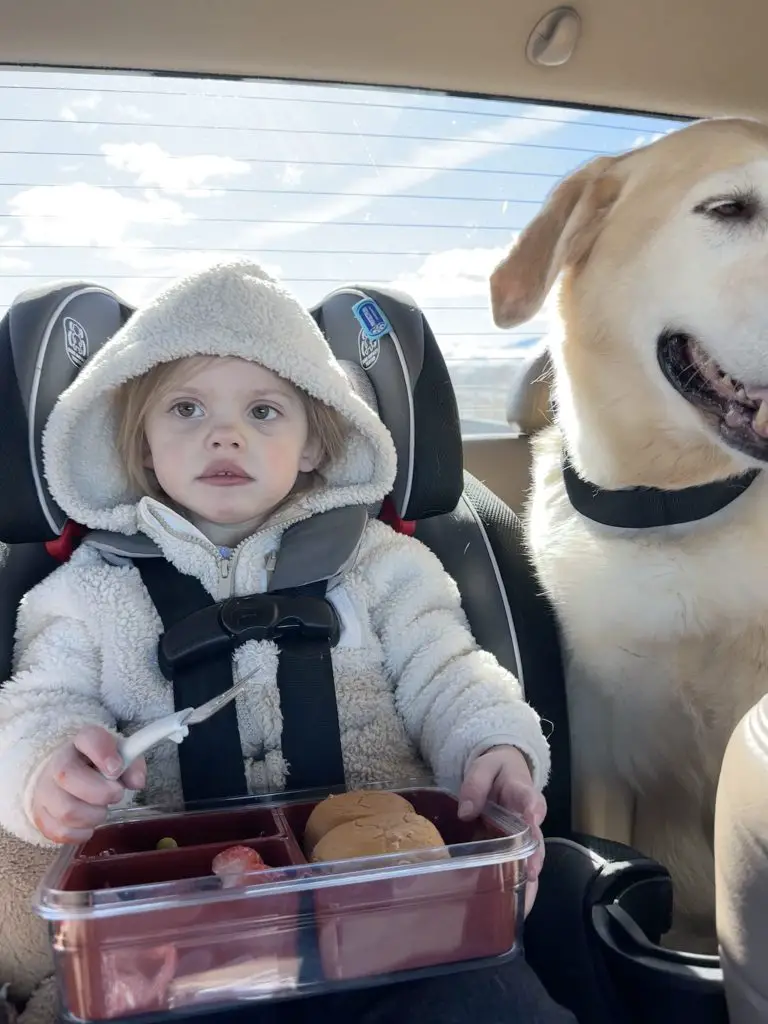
{"x":337,"y":810}
{"x":392,"y":832}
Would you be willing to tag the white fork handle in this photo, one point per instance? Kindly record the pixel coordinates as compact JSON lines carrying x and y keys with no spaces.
{"x":172,"y":727}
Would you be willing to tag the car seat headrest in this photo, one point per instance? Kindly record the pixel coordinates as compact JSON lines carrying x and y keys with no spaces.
{"x":46,"y":336}
{"x":529,"y":406}
{"x":383,"y":333}
{"x":49,"y":332}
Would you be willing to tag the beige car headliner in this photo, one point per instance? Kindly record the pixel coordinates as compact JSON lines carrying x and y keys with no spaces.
{"x":688,"y":57}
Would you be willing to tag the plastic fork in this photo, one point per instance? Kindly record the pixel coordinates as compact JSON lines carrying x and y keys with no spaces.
{"x":176,"y":726}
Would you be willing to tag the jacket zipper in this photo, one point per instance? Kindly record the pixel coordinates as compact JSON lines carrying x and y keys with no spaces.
{"x":269,"y":568}
{"x":226,"y":578}
{"x":226,"y":565}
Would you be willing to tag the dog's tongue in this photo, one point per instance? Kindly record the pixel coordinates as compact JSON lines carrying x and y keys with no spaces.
{"x":760,"y":419}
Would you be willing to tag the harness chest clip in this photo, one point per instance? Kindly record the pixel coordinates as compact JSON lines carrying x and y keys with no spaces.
{"x":219,"y":628}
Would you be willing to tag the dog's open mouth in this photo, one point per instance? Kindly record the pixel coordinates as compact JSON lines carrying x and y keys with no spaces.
{"x":739,"y":414}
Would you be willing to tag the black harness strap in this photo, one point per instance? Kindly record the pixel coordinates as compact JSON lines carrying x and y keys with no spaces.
{"x":197,"y":656}
{"x":311,"y":737}
{"x":211,"y":757}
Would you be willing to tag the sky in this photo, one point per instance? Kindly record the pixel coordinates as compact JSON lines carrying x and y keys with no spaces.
{"x":129,"y":180}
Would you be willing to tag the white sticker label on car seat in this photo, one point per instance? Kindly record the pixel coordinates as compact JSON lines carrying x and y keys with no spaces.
{"x":369,"y":350}
{"x":75,"y":341}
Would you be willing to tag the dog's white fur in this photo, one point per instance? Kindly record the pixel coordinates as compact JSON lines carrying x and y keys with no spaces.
{"x":666,"y":631}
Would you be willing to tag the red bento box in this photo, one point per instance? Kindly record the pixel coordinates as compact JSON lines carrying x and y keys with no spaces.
{"x":137,"y":930}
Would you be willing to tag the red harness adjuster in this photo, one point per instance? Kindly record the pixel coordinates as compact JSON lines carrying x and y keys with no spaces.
{"x":61,"y":549}
{"x":389,"y":516}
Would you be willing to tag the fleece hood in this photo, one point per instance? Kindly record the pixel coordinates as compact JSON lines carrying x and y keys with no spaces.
{"x":230,"y":309}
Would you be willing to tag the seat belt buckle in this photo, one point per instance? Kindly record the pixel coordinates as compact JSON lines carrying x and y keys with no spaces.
{"x":282,"y":618}
{"x":218,"y":628}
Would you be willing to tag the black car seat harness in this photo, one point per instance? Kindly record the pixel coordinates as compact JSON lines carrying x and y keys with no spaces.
{"x":200,"y":636}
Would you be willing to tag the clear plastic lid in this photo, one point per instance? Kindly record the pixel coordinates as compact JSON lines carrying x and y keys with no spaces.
{"x":120,"y":870}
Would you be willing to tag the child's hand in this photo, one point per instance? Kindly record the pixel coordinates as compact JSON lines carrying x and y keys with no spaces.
{"x":71,"y":794}
{"x":502,"y":775}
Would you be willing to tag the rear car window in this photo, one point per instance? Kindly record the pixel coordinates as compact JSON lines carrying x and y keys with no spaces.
{"x":130,"y":180}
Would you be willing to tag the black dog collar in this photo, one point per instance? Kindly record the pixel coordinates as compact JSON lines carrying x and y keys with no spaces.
{"x":643,"y":508}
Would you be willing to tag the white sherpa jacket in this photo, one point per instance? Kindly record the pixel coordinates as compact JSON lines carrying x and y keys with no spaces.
{"x":417,"y":698}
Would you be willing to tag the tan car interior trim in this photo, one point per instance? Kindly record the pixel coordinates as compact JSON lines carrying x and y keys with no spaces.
{"x":696,"y":58}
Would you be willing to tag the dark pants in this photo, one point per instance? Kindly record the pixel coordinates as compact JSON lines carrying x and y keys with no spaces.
{"x":498,"y":995}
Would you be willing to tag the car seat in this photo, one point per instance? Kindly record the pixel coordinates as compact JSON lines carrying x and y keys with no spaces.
{"x":600,"y":907}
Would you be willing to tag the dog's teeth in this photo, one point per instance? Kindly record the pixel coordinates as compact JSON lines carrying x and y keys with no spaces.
{"x":741,"y":394}
{"x":760,"y":422}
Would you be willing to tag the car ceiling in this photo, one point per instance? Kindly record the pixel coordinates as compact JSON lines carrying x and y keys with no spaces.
{"x":687,"y":57}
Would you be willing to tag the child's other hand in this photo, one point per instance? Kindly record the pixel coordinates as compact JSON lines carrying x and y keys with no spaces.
{"x":72,"y":795}
{"x":502,"y":775}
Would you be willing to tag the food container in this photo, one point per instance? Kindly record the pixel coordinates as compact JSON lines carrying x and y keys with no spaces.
{"x":141,"y":930}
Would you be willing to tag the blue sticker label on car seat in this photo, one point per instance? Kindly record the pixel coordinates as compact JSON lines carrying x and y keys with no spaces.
{"x":370,"y":317}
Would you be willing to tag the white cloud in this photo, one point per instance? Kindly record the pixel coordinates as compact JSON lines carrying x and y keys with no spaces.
{"x":292,"y":174}
{"x":426,"y":162}
{"x":462,"y":275}
{"x":147,"y":259}
{"x":451,"y":274}
{"x":71,"y":112}
{"x":82,"y":214}
{"x":13,"y":263}
{"x":153,"y":165}
{"x":131,"y":110}
{"x":136,"y":290}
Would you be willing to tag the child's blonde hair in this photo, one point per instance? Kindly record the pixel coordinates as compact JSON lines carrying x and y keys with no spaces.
{"x":136,"y":396}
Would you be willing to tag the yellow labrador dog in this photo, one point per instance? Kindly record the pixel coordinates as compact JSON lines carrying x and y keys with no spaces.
{"x":648,"y":519}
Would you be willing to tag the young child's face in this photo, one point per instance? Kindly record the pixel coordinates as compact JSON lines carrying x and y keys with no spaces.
{"x":228,"y":440}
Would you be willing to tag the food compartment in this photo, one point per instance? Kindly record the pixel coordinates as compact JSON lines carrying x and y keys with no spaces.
{"x":179,"y":949}
{"x":458,"y":912}
{"x":412,"y":922}
{"x":442,"y":809}
{"x":125,"y":872}
{"x":142,"y":834}
{"x":146,"y":931}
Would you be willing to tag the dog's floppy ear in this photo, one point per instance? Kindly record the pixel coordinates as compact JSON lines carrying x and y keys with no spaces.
{"x":563,"y":233}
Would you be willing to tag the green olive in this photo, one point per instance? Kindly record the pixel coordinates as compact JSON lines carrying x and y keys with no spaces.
{"x":167,"y":844}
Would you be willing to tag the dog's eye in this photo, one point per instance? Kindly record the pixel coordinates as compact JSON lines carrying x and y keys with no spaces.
{"x":734,"y":208}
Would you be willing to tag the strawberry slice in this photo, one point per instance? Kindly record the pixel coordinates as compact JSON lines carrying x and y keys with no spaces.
{"x":234,"y":863}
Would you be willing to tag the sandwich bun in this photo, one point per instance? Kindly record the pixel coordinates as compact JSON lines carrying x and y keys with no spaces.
{"x":348,"y":807}
{"x":392,"y":832}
